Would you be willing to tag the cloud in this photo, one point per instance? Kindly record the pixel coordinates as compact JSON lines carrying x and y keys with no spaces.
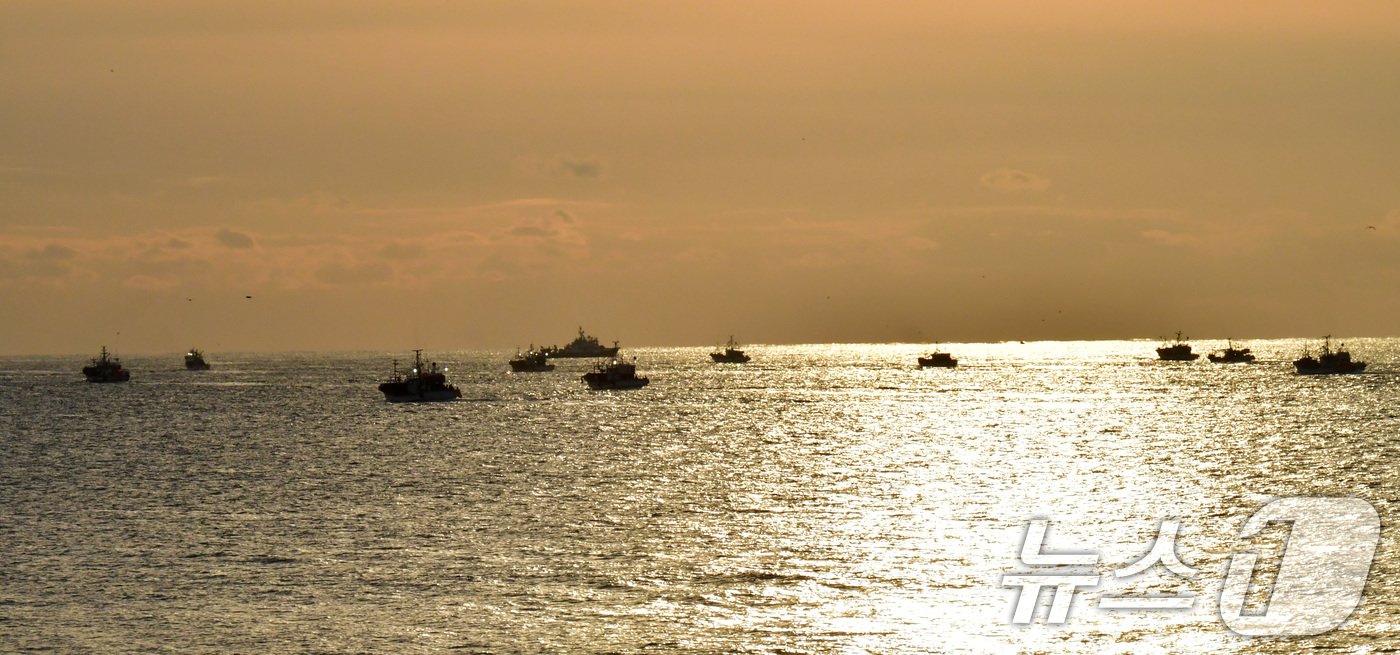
{"x":1168,"y":238}
{"x":230,"y":239}
{"x":150,"y":283}
{"x":201,"y":181}
{"x":530,"y":231}
{"x":563,"y":166}
{"x":52,"y":253}
{"x":584,"y":168}
{"x":560,"y":226}
{"x":402,"y":250}
{"x":1010,"y":180}
{"x":354,"y":274}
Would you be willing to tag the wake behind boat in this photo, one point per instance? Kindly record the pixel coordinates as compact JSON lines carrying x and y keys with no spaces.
{"x":584,"y":345}
{"x":106,"y":368}
{"x":419,"y":385}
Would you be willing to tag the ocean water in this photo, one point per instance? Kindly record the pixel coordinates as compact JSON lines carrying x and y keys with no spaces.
{"x":821,"y":499}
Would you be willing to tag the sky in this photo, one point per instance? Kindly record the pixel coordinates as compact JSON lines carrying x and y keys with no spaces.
{"x":489,"y":174}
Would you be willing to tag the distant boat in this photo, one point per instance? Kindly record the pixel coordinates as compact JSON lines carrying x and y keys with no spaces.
{"x":530,"y":361}
{"x":420,"y":385}
{"x":106,"y":368}
{"x":1232,"y":355}
{"x":1179,"y":351}
{"x":582,"y":346}
{"x":194,"y":360}
{"x":938,"y":359}
{"x":616,"y":374}
{"x":730,"y":355}
{"x":1328,"y":361}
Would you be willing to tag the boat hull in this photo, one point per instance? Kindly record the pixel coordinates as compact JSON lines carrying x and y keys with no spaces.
{"x":107,"y":376}
{"x":603,"y":382}
{"x":1316,"y":369}
{"x":403,"y":392}
{"x":530,"y":367}
{"x":937,"y":362}
{"x":1171,"y":356}
{"x":1240,"y":359}
{"x":565,"y":353}
{"x":722,"y":358}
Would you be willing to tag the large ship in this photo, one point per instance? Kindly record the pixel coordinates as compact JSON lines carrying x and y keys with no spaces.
{"x":106,"y":368}
{"x":194,"y":360}
{"x":1328,"y":361}
{"x":730,"y":355}
{"x":422,"y":384}
{"x":530,"y":361}
{"x":616,"y":374}
{"x":1232,"y":355}
{"x":1178,"y":351}
{"x":583,"y":345}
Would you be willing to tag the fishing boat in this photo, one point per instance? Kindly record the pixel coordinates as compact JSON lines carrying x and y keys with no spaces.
{"x":1232,"y":355}
{"x":730,"y":355}
{"x":616,"y":374}
{"x":194,"y":360}
{"x":938,"y":359}
{"x":1328,"y":361}
{"x":1178,"y":351}
{"x":421,"y":384}
{"x":106,"y":368}
{"x":583,"y":345}
{"x":531,"y":361}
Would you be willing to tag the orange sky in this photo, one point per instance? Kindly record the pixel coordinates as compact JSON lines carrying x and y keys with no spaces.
{"x":488,"y":174}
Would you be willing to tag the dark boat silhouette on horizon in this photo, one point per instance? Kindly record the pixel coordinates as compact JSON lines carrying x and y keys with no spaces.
{"x":194,"y":360}
{"x":616,"y":374}
{"x":730,"y":355}
{"x":938,"y":359}
{"x":1328,"y":361}
{"x":1232,"y":355}
{"x":1178,"y":351}
{"x":106,"y":368}
{"x":420,"y":385}
{"x":584,"y":345}
{"x":533,"y":360}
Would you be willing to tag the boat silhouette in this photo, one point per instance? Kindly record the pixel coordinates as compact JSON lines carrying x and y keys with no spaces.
{"x":1178,"y":351}
{"x":730,"y":355}
{"x":1328,"y":361}
{"x":106,"y":368}
{"x":422,"y":384}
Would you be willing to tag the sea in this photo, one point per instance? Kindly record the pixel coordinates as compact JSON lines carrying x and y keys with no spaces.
{"x":819,"y":499}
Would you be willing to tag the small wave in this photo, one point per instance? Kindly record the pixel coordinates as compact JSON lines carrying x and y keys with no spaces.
{"x":270,"y":559}
{"x":744,"y":577}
